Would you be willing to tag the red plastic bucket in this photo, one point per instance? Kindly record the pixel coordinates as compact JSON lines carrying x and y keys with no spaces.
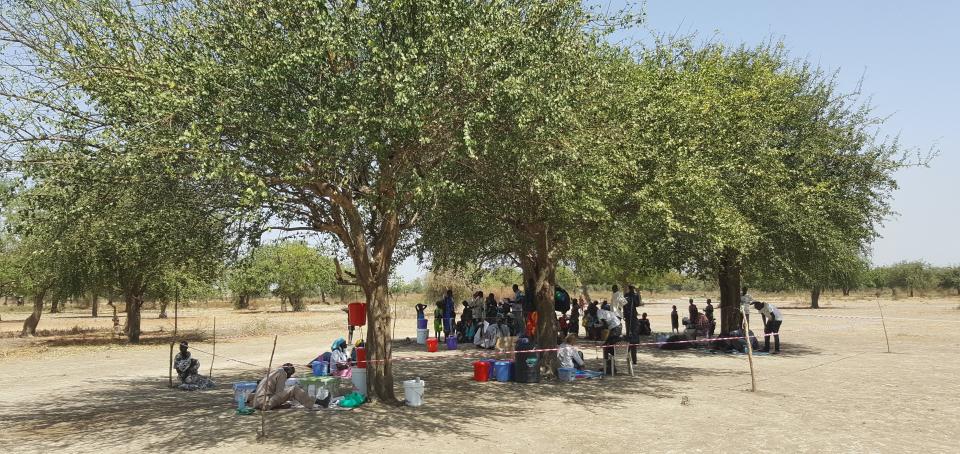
{"x":481,"y":370}
{"x":357,"y":314}
{"x":361,"y":358}
{"x":432,"y":344}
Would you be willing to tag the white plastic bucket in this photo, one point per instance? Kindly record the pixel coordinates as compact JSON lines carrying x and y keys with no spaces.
{"x":413,"y":392}
{"x":422,"y":336}
{"x":359,"y":380}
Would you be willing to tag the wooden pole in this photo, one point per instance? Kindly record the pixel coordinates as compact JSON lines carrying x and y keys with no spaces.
{"x":884,"y":326}
{"x":263,"y":432}
{"x":171,"y":364}
{"x":213,"y":356}
{"x":746,"y":336}
{"x":176,"y":312}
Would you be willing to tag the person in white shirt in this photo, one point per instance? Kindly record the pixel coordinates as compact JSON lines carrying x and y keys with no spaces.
{"x":568,"y":355}
{"x":745,"y":301}
{"x":772,"y":318}
{"x":612,"y":324}
{"x":617,"y":301}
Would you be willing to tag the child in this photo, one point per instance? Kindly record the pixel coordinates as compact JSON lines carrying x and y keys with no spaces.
{"x":438,"y":319}
{"x":675,"y":320}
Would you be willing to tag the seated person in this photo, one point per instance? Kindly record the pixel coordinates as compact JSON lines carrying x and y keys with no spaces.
{"x":339,"y":360}
{"x":187,"y":370}
{"x":272,"y":392}
{"x":645,"y":325}
{"x":568,"y":355}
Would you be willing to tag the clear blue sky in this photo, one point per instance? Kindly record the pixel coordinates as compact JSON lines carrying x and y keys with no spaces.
{"x":907,"y":53}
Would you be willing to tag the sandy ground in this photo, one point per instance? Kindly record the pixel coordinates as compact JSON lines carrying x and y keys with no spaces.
{"x":833,"y":389}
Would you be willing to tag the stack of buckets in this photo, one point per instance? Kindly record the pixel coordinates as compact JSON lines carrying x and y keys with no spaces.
{"x":359,"y":377}
{"x":422,"y":331}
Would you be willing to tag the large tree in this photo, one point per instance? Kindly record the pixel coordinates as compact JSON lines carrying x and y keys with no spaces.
{"x":334,"y":115}
{"x":765,"y":164}
{"x":541,"y":160}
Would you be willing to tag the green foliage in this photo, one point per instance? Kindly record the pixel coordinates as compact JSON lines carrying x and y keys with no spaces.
{"x":949,"y":278}
{"x":463,"y":282}
{"x":910,"y":276}
{"x":290,"y":270}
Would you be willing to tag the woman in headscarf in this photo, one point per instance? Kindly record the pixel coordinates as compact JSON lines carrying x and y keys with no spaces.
{"x":340,"y":359}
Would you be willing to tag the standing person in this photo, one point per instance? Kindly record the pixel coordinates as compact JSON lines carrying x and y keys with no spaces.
{"x":772,"y":319}
{"x":272,"y":392}
{"x":675,"y":320}
{"x":593,"y":323}
{"x":438,"y":319}
{"x":617,"y":301}
{"x":449,"y":313}
{"x":491,"y":310}
{"x":610,"y":323}
{"x":575,"y":317}
{"x":631,"y":321}
{"x":745,"y":301}
{"x":708,"y":311}
{"x":693,"y":311}
{"x":420,"y":310}
{"x":477,"y":307}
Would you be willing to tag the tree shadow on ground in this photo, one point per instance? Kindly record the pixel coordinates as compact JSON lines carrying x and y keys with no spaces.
{"x":121,"y":410}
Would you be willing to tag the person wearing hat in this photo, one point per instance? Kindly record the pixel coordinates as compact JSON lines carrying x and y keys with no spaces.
{"x":272,"y":392}
{"x":187,"y":369}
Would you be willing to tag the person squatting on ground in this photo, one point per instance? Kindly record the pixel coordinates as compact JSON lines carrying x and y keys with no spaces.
{"x":645,"y":329}
{"x":567,"y":353}
{"x":188,"y":371}
{"x":772,"y":319}
{"x":272,"y":392}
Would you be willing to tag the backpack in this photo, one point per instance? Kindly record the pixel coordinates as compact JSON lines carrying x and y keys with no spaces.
{"x":561,"y":300}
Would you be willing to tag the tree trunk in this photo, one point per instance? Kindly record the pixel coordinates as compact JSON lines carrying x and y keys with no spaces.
{"x":911,"y":292}
{"x":379,"y":343}
{"x":243,"y":302}
{"x":323,"y":297}
{"x":846,"y":291}
{"x":134,"y":302}
{"x":94,"y":306}
{"x":163,"y":308}
{"x":586,"y":293}
{"x":55,"y":305}
{"x":296,"y":304}
{"x":729,"y":280}
{"x":30,"y":324}
{"x":815,"y":298}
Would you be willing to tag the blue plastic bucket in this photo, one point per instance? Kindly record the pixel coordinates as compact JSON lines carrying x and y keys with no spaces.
{"x":319,"y":368}
{"x":421,"y":323}
{"x":451,"y":342}
{"x":503,"y":370}
{"x":566,"y":374}
{"x":493,"y":373}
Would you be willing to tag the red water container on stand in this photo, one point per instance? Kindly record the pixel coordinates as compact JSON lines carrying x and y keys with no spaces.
{"x":361,"y":358}
{"x":481,"y":370}
{"x":357,"y":314}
